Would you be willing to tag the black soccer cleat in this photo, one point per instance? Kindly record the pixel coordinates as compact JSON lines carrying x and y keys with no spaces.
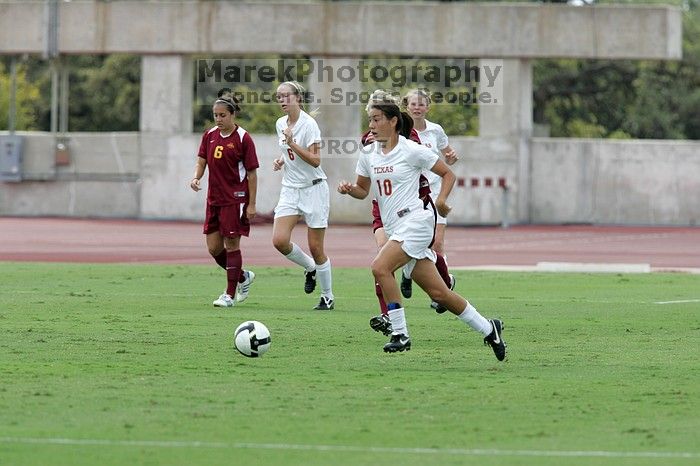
{"x":406,"y":286}
{"x":439,"y":308}
{"x":495,"y":341}
{"x":398,"y":342}
{"x":310,"y":282}
{"x":381,"y":323}
{"x":326,"y":304}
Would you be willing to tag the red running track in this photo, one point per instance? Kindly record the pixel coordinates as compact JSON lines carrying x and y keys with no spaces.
{"x":133,"y":241}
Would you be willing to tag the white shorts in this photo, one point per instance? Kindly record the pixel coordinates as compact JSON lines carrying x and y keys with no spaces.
{"x":415,"y":233}
{"x":434,"y":191}
{"x":312,"y":202}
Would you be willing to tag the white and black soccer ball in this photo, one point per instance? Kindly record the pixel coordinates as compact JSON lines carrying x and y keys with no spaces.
{"x":252,"y":339}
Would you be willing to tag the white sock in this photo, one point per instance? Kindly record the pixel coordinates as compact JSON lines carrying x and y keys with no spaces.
{"x":325,"y":279}
{"x":398,"y":321}
{"x":403,"y":272}
{"x":299,"y":257}
{"x":471,"y":317}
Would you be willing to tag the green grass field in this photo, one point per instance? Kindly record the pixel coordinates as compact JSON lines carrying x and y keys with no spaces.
{"x":125,"y":365}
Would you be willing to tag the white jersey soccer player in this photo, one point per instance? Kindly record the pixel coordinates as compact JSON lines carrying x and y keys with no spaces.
{"x":434,"y":138}
{"x":391,"y":171}
{"x":304,"y":192}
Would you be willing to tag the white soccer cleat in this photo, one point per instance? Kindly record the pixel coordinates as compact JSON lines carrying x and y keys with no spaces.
{"x":224,"y":300}
{"x":244,"y":287}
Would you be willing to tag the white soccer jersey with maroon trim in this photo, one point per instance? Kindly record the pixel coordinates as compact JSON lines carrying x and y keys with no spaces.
{"x":395,"y":178}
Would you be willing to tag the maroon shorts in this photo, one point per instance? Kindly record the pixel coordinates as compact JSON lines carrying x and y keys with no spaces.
{"x":377,"y":217}
{"x":229,"y":220}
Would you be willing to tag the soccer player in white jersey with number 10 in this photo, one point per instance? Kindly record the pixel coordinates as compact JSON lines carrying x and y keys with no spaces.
{"x":417,"y":104}
{"x":304,"y":192}
{"x":391,"y":170}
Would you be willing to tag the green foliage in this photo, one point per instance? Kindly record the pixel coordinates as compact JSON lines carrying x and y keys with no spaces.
{"x":104,"y":93}
{"x":130,"y":360}
{"x":28,"y":99}
{"x":604,"y":98}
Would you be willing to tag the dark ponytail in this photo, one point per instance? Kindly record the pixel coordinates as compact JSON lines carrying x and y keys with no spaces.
{"x":406,"y":125}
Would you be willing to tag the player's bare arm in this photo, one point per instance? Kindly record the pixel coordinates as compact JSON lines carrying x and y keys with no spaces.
{"x":359,"y":190}
{"x":450,"y":155}
{"x":448,"y":180}
{"x":198,"y":174}
{"x":310,"y":155}
{"x":251,"y":211}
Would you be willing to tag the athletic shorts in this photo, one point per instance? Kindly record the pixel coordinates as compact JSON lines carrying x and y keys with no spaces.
{"x":229,"y":220}
{"x":416,"y":233}
{"x":313,"y":203}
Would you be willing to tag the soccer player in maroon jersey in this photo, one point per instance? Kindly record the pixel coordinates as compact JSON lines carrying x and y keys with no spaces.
{"x":229,"y":153}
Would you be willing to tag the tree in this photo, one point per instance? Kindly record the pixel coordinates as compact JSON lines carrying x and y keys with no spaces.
{"x":28,"y":98}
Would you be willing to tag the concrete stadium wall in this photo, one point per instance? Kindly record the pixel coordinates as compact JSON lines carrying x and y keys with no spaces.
{"x":497,"y":30}
{"x":102,"y":179}
{"x":615,"y":182}
{"x":572,"y":180}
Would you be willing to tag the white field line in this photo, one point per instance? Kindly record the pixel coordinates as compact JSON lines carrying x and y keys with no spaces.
{"x":348,"y":448}
{"x":678,"y":301}
{"x":578,"y":267}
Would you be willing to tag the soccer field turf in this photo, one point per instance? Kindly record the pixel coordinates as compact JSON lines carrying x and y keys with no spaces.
{"x":130,"y":364}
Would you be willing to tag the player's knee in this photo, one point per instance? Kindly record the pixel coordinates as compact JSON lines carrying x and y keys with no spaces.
{"x":318,"y":254}
{"x":439,"y":295}
{"x":379,"y":271}
{"x":282,"y":245}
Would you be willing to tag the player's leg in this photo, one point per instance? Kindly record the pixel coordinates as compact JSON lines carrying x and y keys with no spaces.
{"x":315,"y":204}
{"x":234,"y":264}
{"x":215,"y":245}
{"x":390,"y":258}
{"x":380,"y":323}
{"x":281,"y":239}
{"x":233,"y":269}
{"x":287,"y":214}
{"x":441,"y":262}
{"x":426,"y":276}
{"x":316,"y":238}
{"x":234,"y":225}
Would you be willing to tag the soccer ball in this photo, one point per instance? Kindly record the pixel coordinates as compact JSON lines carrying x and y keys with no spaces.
{"x":252,"y":339}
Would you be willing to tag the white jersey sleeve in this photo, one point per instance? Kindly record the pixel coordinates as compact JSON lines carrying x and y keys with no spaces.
{"x":434,"y":138}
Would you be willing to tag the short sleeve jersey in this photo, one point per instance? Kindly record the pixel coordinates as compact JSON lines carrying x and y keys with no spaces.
{"x":395,"y":177}
{"x":424,"y":189}
{"x":297,"y":173}
{"x":434,"y":138}
{"x":229,"y":159}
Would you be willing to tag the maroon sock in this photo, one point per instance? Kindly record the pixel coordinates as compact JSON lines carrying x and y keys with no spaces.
{"x":234,"y":263}
{"x":221,"y":259}
{"x":442,"y":269}
{"x":380,"y":297}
